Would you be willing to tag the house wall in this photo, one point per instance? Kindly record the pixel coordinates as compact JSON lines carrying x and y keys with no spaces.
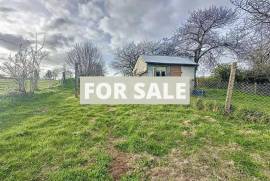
{"x":173,"y":70}
{"x":140,"y":68}
{"x":188,"y":71}
{"x":150,"y":69}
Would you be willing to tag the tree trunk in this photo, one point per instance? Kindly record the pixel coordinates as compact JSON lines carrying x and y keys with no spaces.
{"x":31,"y":86}
{"x":36,"y":77}
{"x":22,"y":87}
{"x":196,"y":60}
{"x":76,"y":80}
{"x":195,"y":77}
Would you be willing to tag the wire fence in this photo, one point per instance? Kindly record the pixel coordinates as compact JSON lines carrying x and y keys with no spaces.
{"x":251,"y":96}
{"x":9,"y":86}
{"x":255,"y":96}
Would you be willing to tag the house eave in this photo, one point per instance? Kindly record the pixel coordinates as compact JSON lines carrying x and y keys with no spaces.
{"x":182,"y":64}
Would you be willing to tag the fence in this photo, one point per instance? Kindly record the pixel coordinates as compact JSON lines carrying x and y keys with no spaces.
{"x":255,"y":96}
{"x":9,"y":86}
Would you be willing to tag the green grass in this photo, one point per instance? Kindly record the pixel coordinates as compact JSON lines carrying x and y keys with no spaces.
{"x":50,"y":136}
{"x":7,"y":85}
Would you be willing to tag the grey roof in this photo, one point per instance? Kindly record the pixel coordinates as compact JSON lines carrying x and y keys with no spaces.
{"x":169,"y":60}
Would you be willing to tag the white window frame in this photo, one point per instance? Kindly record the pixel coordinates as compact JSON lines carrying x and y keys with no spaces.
{"x":159,"y":69}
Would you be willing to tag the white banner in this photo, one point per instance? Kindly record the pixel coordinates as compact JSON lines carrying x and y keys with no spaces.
{"x":134,"y":90}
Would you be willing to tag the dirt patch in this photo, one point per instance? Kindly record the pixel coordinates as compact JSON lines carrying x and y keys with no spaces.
{"x":206,"y":164}
{"x":120,"y":165}
{"x":122,"y":162}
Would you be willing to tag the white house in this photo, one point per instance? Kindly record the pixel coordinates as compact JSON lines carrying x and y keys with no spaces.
{"x":165,"y":66}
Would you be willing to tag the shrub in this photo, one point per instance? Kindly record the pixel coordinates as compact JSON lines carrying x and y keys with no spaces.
{"x":253,"y":116}
{"x":199,"y":104}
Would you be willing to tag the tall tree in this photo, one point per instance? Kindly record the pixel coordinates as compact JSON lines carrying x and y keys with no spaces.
{"x":200,"y":36}
{"x":89,"y":59}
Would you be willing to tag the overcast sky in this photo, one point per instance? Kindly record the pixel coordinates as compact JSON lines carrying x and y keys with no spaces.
{"x":109,"y":24}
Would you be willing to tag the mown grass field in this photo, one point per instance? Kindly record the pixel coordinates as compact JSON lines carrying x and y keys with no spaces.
{"x":9,"y":85}
{"x":50,"y":136}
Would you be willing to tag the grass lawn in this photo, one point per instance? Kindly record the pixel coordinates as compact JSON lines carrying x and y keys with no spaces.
{"x":9,"y":85}
{"x":52,"y":137}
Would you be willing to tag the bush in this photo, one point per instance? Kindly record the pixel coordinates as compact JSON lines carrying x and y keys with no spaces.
{"x":253,"y":116}
{"x":199,"y":104}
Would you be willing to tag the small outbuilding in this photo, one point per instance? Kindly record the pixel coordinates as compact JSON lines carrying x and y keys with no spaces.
{"x":161,"y":66}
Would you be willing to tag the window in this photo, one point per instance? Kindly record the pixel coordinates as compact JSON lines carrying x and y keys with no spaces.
{"x":163,"y":73}
{"x":160,"y":71}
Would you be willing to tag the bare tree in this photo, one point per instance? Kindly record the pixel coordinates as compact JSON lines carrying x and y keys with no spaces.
{"x":55,"y":73}
{"x":49,"y":76}
{"x":19,"y":67}
{"x":254,"y":44}
{"x":257,"y":54}
{"x":36,"y":55}
{"x":200,"y":36}
{"x":258,"y":10}
{"x":89,"y":59}
{"x":69,"y":74}
{"x":127,"y":56}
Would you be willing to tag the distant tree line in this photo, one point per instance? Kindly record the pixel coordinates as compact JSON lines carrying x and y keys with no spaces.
{"x":222,"y":73}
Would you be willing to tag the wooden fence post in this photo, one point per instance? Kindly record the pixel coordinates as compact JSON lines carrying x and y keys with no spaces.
{"x":228,"y":102}
{"x":76,"y":80}
{"x":255,"y":87}
{"x":63,"y":78}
